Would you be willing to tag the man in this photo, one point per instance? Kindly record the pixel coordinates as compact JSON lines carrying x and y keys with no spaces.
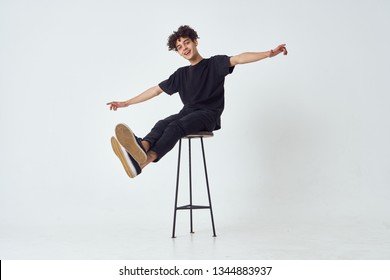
{"x":201,"y":89}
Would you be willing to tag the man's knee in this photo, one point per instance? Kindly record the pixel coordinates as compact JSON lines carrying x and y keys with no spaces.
{"x":161,"y":125}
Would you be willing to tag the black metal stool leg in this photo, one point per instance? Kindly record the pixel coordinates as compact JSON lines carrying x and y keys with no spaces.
{"x":208,"y":188}
{"x":177,"y":190}
{"x":190,"y":177}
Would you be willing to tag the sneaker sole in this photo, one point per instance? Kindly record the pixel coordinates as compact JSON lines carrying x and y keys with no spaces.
{"x":119,"y":153}
{"x":126,"y":138}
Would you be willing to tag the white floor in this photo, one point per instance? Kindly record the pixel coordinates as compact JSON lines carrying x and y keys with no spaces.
{"x":245,"y":241}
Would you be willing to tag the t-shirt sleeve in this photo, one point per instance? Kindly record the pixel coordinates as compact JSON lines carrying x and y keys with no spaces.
{"x":171,"y":85}
{"x":222,"y":64}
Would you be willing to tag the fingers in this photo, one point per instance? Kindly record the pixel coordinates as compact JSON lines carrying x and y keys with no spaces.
{"x":285,"y":50}
{"x":113,"y":105}
{"x":282,"y":49}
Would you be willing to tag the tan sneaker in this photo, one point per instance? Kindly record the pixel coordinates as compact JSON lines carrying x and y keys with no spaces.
{"x":131,"y":166}
{"x":130,"y":142}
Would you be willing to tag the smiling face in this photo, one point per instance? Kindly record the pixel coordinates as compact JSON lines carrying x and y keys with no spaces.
{"x":187,"y":48}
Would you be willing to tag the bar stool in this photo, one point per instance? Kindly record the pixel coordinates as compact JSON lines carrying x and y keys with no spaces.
{"x":191,"y":206}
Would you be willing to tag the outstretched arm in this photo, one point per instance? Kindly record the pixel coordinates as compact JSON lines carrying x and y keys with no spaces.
{"x":146,"y":95}
{"x":249,"y":57}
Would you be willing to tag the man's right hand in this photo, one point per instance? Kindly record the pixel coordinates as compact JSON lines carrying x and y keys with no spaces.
{"x":114,"y":105}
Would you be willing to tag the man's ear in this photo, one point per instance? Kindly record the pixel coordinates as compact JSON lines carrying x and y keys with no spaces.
{"x":196,"y":42}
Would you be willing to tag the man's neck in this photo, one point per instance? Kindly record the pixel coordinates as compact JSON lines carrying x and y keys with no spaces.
{"x":196,"y":59}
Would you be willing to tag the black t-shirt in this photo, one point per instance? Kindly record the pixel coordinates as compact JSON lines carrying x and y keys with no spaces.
{"x":201,"y":86}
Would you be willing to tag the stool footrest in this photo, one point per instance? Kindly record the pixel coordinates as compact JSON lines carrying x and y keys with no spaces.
{"x":188,"y":207}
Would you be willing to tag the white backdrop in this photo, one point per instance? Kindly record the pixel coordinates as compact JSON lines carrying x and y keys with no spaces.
{"x":305,"y":138}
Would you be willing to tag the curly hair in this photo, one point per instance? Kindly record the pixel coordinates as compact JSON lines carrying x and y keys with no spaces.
{"x":183,"y":31}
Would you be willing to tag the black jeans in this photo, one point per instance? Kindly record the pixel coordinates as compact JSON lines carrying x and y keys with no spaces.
{"x":167,"y":132}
